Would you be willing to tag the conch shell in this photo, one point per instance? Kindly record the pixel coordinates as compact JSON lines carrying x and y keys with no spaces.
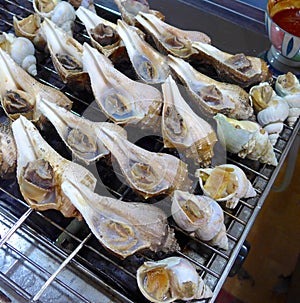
{"x":171,"y":279}
{"x":200,"y":215}
{"x":121,"y":99}
{"x":271,"y":109}
{"x":148,"y":173}
{"x":225,"y":183}
{"x":238,"y":68}
{"x":41,"y":171}
{"x":212,"y":96}
{"x":19,"y":91}
{"x":245,"y":138}
{"x":183,"y":129}
{"x":88,"y":4}
{"x":122,"y":228}
{"x":169,"y":39}
{"x":21,"y":50}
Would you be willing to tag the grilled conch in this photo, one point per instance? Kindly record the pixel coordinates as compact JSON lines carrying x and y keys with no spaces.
{"x":78,"y":133}
{"x":211,"y":95}
{"x":148,"y":173}
{"x":238,"y":68}
{"x":21,"y":50}
{"x":121,"y":99}
{"x":66,"y":55}
{"x":200,"y":215}
{"x":19,"y":91}
{"x":271,"y":109}
{"x":171,"y":279}
{"x":121,"y":227}
{"x":169,"y":39}
{"x":150,"y":66}
{"x":225,"y":183}
{"x":288,"y":87}
{"x":30,"y":28}
{"x":245,"y":138}
{"x":183,"y":129}
{"x":102,"y":32}
{"x":41,"y":171}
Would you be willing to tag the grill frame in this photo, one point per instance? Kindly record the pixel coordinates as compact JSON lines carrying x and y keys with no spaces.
{"x":20,"y":223}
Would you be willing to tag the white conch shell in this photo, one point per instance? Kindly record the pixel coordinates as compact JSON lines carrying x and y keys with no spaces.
{"x":212,"y":96}
{"x":171,"y":279}
{"x":148,"y":173}
{"x":271,"y":109}
{"x":21,"y":50}
{"x":121,"y":227}
{"x":245,"y":138}
{"x":121,"y":99}
{"x":200,"y":215}
{"x":41,"y":171}
{"x":288,"y":87}
{"x":149,"y":65}
{"x":45,"y":7}
{"x":183,"y":129}
{"x":225,"y":183}
{"x":78,"y":133}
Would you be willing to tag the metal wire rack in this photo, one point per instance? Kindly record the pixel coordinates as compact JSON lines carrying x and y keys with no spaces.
{"x":45,"y":257}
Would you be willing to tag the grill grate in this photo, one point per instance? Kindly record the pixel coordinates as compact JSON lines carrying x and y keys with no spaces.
{"x":45,"y":257}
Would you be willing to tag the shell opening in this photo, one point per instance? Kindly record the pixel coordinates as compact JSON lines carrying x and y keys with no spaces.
{"x":193,"y":212}
{"x":105,"y":35}
{"x":210,"y":94}
{"x":143,"y":173}
{"x":145,"y":68}
{"x":69,"y":62}
{"x":239,"y":62}
{"x":117,"y":105}
{"x":173,"y":121}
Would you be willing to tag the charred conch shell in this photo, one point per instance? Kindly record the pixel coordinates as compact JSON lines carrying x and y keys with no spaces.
{"x":200,"y":215}
{"x":271,"y":109}
{"x":150,"y":66}
{"x":169,"y":39}
{"x":122,"y":100}
{"x":79,"y":134}
{"x":225,"y":183}
{"x":211,"y":95}
{"x":19,"y":91}
{"x":66,"y":55}
{"x":21,"y":50}
{"x":171,"y":279}
{"x":148,"y":173}
{"x":288,"y":87}
{"x":245,"y":138}
{"x":122,"y":228}
{"x":238,"y":68}
{"x":183,"y":129}
{"x":41,"y":171}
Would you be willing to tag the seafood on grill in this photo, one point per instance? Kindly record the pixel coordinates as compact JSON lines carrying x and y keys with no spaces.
{"x":169,"y":39}
{"x":150,"y":66}
{"x":288,"y":87}
{"x":212,"y":96}
{"x":121,"y":99}
{"x":245,"y":138}
{"x":183,"y":129}
{"x":272,"y":110}
{"x":102,"y":32}
{"x":171,"y":279}
{"x":201,"y":216}
{"x":30,"y":28}
{"x":225,"y":183}
{"x":235,"y":68}
{"x":21,"y":50}
{"x":148,"y":173}
{"x":78,"y":133}
{"x":88,"y":4}
{"x":19,"y":91}
{"x":41,"y":171}
{"x":66,"y":54}
{"x":122,"y":228}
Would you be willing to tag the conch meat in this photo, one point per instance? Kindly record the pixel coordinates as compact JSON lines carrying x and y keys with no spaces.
{"x":200,"y":215}
{"x":41,"y":171}
{"x":171,"y":279}
{"x":225,"y":183}
{"x":121,"y":227}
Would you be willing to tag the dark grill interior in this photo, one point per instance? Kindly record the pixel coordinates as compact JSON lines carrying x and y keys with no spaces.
{"x":70,"y":242}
